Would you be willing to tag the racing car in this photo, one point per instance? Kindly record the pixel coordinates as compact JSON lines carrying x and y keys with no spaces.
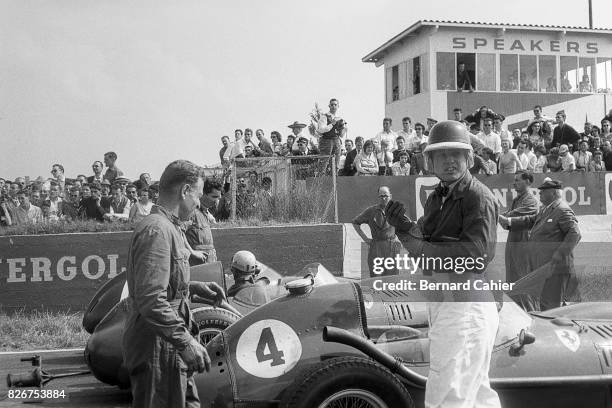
{"x":348,"y":345}
{"x":107,"y":312}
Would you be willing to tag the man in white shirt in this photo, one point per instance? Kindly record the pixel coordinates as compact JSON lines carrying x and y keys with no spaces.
{"x":527,"y":158}
{"x":583,"y":157}
{"x":387,"y":134}
{"x":490,"y":138}
{"x":568,"y":163}
{"x":237,"y":148}
{"x":26,"y":212}
{"x":497,"y":128}
{"x":332,"y":130}
{"x":407,"y":130}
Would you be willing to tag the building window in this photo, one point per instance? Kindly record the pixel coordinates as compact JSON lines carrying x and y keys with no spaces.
{"x":604,"y":75}
{"x":508,"y":72}
{"x":486,"y":72}
{"x":466,"y":71}
{"x":416,"y":75}
{"x":528,"y":73}
{"x":569,"y":74}
{"x":445,"y":70}
{"x":547,"y":67}
{"x":395,"y":83}
{"x":586,"y":75}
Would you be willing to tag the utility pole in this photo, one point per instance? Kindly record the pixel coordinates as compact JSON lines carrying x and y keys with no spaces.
{"x":590,"y":13}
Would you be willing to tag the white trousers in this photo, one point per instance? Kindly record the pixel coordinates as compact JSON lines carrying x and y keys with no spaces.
{"x":462,"y":336}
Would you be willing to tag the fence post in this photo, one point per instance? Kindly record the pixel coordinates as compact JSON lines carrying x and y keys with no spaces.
{"x":335,"y":191}
{"x":234,"y":179}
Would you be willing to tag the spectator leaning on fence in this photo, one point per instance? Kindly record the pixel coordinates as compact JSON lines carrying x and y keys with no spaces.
{"x":597,"y":164}
{"x":366,"y":162}
{"x":401,"y":167}
{"x":540,"y":164}
{"x":349,"y":162}
{"x":142,"y":207}
{"x":509,"y":162}
{"x":26,"y":213}
{"x":264,"y":145}
{"x":119,"y":205}
{"x":583,"y":157}
{"x":298,"y":130}
{"x":568,"y":164}
{"x":526,"y":156}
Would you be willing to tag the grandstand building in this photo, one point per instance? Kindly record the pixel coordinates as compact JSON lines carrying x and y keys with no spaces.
{"x":510,"y":67}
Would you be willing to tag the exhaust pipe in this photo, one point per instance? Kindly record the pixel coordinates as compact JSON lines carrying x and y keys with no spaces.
{"x":337,"y":335}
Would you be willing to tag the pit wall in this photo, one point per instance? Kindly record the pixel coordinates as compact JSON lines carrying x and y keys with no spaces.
{"x":62,"y":272}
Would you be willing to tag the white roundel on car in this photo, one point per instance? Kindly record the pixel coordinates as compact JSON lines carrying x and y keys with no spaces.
{"x":268,"y":349}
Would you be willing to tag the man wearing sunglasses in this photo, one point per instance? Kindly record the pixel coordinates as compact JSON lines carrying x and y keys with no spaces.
{"x":384,"y":243}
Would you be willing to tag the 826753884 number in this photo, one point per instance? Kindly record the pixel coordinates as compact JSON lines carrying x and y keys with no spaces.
{"x":36,"y":394}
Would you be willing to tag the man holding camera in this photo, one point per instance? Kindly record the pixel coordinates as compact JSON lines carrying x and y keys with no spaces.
{"x":332,"y":129}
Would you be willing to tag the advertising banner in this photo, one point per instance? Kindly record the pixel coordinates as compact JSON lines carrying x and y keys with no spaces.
{"x":62,"y":272}
{"x":586,"y":193}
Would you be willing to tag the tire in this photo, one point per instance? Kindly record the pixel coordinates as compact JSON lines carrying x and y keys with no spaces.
{"x":212,"y":321}
{"x":347,"y":382}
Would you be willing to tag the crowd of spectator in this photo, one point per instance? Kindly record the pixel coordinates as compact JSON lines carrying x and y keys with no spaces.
{"x":541,"y":145}
{"x":106,"y":195}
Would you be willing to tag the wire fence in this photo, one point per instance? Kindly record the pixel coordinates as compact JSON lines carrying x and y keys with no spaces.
{"x":284,"y":189}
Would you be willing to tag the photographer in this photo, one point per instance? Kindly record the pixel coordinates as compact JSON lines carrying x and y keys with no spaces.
{"x":332,"y":129}
{"x":5,"y":215}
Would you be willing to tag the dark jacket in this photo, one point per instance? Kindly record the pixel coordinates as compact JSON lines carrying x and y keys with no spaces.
{"x":553,"y":229}
{"x":567,"y":135}
{"x":349,"y":169}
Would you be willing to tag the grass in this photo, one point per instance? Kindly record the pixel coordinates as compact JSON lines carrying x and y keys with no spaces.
{"x":21,"y":331}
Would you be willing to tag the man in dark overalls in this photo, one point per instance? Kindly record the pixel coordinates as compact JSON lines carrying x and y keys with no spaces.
{"x":160,"y":352}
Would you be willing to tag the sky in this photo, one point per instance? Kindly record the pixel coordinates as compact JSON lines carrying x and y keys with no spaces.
{"x":156,"y":81}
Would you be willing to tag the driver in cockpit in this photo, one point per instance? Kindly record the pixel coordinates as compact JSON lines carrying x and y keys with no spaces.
{"x":247,"y":287}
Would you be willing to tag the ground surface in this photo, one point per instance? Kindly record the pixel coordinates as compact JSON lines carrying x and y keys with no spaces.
{"x":83,"y":391}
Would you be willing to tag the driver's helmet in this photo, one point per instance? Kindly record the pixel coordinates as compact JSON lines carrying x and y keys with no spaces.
{"x":245,"y":263}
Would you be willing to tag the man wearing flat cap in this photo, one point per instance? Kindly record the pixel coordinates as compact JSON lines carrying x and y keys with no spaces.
{"x":553,"y":235}
{"x":298,"y":131}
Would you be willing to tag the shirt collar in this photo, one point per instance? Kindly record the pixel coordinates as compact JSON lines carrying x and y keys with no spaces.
{"x":158,"y":209}
{"x":457,"y":188}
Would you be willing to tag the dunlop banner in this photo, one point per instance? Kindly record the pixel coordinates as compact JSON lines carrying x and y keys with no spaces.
{"x":586,"y":193}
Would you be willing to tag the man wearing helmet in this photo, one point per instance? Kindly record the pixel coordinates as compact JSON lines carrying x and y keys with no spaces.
{"x":459,"y":222}
{"x":247,"y":288}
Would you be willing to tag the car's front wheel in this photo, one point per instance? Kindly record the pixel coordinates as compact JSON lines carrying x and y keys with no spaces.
{"x":347,"y":382}
{"x":212,"y":321}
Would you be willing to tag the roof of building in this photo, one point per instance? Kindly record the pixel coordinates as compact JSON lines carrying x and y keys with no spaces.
{"x":411,"y":31}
